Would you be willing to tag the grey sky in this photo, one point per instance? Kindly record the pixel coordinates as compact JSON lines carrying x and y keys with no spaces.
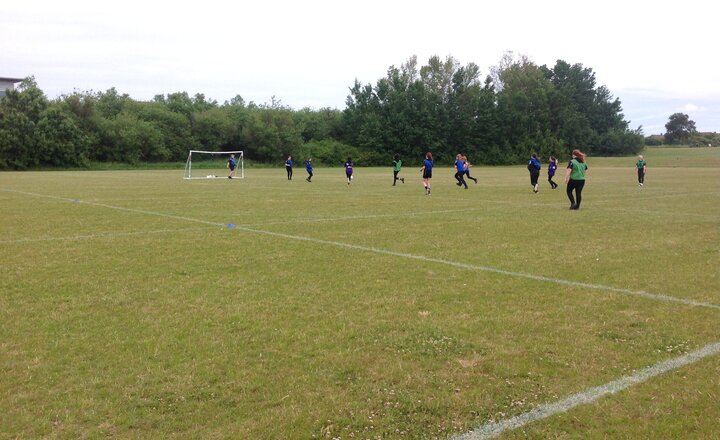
{"x":657,"y":57}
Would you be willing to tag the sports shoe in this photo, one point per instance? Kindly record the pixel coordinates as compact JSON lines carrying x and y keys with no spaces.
{"x":402,"y":179}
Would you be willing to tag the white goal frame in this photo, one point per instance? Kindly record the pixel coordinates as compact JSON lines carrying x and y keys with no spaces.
{"x":240,"y":165}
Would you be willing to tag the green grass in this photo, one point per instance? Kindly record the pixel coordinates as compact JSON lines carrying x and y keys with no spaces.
{"x":129,"y":309}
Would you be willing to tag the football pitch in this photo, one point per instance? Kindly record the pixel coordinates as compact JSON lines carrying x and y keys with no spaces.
{"x":136,"y":304}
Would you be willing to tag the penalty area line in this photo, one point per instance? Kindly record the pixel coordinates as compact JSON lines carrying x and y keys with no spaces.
{"x":493,"y":429}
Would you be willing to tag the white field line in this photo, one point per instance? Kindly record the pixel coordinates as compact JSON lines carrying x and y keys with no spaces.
{"x":362,"y":217}
{"x":101,"y":235}
{"x":496,"y":428}
{"x":639,"y":293}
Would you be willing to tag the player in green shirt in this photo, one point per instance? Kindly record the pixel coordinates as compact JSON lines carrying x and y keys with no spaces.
{"x":397,"y":164}
{"x":575,"y":178}
{"x":641,"y":169}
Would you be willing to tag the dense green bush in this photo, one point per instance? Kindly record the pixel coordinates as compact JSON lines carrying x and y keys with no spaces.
{"x":441,"y":107}
{"x":653,"y":141}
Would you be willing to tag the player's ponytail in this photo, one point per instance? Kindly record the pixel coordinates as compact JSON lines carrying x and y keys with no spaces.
{"x":579,"y":155}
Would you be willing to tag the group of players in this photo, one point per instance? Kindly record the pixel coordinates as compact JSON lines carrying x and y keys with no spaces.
{"x":574,"y":173}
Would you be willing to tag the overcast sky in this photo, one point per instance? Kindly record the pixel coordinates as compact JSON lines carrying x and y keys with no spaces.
{"x":658,"y":57}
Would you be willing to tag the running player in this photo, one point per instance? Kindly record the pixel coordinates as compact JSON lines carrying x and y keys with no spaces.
{"x":466,"y":166}
{"x":552,"y":167}
{"x":460,"y":171}
{"x":309,"y":169}
{"x":575,"y":178}
{"x":534,"y":168}
{"x":426,"y":171}
{"x":349,"y":170}
{"x":397,"y":164}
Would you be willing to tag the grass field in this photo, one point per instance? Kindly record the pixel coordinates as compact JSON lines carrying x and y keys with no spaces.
{"x":135,"y":304}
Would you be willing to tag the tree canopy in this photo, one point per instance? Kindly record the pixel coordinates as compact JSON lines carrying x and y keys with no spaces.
{"x":679,"y":128}
{"x":443,"y":106}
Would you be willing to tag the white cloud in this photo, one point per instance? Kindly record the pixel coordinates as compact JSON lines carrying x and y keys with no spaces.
{"x":308,"y":53}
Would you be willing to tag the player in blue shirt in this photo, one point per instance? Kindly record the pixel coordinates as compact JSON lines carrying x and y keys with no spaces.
{"x":349,"y":170}
{"x":231,"y":164}
{"x":426,"y":171}
{"x":552,"y":167}
{"x":288,"y":167}
{"x":460,"y":171}
{"x":309,"y":169}
{"x":534,"y":168}
{"x":466,"y":166}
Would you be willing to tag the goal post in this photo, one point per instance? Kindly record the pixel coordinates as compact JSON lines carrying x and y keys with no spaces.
{"x":213,"y":165}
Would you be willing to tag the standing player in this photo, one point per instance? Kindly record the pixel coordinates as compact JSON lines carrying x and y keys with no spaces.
{"x":575,"y":178}
{"x":641,"y":169}
{"x":534,"y":168}
{"x":466,"y":166}
{"x":397,"y":164}
{"x":288,"y":167}
{"x":426,"y":171}
{"x":309,"y":169}
{"x":460,"y":171}
{"x":349,"y":170}
{"x":552,"y":167}
{"x":231,"y":164}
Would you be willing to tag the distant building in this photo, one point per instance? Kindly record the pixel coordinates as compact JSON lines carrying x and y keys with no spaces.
{"x":8,"y":84}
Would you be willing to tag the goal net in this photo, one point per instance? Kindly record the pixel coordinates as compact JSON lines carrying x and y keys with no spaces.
{"x":214,"y":165}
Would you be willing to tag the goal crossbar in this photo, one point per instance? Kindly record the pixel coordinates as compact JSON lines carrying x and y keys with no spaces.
{"x":216,"y":166}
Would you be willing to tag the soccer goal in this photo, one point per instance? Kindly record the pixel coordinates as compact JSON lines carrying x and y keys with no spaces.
{"x":214,"y":165}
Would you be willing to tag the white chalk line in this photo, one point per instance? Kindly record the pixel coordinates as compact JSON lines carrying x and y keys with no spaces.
{"x":638,"y":293}
{"x":101,"y":235}
{"x":362,"y":217}
{"x":496,"y":428}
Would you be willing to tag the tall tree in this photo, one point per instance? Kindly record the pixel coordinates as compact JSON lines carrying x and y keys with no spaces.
{"x":524,"y":109}
{"x":679,"y":128}
{"x":20,"y":111}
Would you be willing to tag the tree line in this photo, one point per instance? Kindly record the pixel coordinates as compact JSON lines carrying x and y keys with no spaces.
{"x":443,"y":107}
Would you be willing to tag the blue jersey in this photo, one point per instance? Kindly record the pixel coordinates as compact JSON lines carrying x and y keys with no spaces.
{"x":459,"y":165}
{"x":231,"y":163}
{"x":288,"y":163}
{"x":428,"y":164}
{"x":348,"y":167}
{"x":534,"y":165}
{"x":552,"y":166}
{"x":308,"y":165}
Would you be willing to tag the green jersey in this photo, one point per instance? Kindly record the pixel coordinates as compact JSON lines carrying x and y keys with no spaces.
{"x":397,"y":164}
{"x":578,"y":169}
{"x":641,"y":164}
